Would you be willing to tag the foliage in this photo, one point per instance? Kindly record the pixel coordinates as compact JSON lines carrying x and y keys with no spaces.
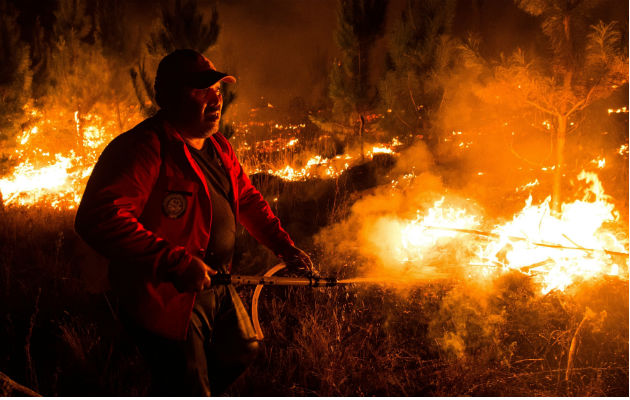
{"x":586,"y":62}
{"x":421,"y":56}
{"x":604,"y":68}
{"x":41,"y":53}
{"x":181,"y":26}
{"x":359,"y":24}
{"x":76,"y":63}
{"x":15,"y":75}
{"x":120,"y":45}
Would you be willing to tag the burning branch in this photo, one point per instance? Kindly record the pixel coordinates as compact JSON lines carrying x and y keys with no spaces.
{"x":522,"y":239}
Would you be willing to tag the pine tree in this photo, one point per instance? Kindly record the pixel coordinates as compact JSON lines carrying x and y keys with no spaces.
{"x":359,"y":24}
{"x":121,"y":43}
{"x":587,"y":63}
{"x":421,"y":54}
{"x":15,"y":74}
{"x":77,"y":68}
{"x":181,"y":26}
{"x":41,"y":53}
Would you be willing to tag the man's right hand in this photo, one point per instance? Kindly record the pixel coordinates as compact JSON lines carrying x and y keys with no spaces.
{"x":195,"y":278}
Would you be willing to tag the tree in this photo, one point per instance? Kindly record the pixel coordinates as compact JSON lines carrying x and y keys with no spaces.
{"x":421,"y":55}
{"x":181,"y":26}
{"x":41,"y":53}
{"x":15,"y":74}
{"x":583,"y":63}
{"x":121,"y":44}
{"x":586,"y":66}
{"x":76,"y":65}
{"x":359,"y":24}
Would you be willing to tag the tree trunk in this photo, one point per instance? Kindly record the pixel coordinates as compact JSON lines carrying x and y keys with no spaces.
{"x":556,"y":195}
{"x":361,"y":128}
{"x":120,"y":124}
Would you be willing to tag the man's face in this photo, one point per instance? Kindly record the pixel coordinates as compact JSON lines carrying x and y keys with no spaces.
{"x":199,"y":110}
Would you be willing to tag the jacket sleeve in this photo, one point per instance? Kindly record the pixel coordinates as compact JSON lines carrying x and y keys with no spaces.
{"x":115,"y":195}
{"x":256,"y":215}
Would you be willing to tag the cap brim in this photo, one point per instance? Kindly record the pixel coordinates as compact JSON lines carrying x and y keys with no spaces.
{"x":204,"y":79}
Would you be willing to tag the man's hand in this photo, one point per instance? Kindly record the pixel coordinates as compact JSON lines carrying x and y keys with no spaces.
{"x":298,"y":261}
{"x":195,"y":278}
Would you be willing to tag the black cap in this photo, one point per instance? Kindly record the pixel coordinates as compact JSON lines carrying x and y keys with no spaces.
{"x":185,"y":67}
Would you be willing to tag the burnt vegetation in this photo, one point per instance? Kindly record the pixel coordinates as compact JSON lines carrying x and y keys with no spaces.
{"x":477,"y":112}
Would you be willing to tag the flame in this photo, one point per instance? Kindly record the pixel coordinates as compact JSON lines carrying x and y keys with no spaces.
{"x":557,"y":251}
{"x":316,"y":166}
{"x":527,"y":186}
{"x":29,"y":185}
{"x":583,"y":242}
{"x":600,"y":162}
{"x":380,"y":150}
{"x":59,"y":177}
{"x":622,"y":110}
{"x":581,"y":225}
{"x":417,"y":236}
{"x":408,"y":248}
{"x":44,"y":175}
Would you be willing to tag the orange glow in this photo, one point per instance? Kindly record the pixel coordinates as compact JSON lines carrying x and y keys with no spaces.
{"x":622,"y":110}
{"x":29,"y":185}
{"x":316,"y":166}
{"x":405,"y":241}
{"x":556,"y":251}
{"x":582,"y":225}
{"x":45,"y":173}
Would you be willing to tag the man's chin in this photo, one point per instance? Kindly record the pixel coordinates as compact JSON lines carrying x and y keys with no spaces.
{"x":206,"y":130}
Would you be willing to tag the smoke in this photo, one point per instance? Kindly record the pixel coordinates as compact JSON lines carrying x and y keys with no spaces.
{"x":483,"y":157}
{"x":279,"y":51}
{"x":383,"y":236}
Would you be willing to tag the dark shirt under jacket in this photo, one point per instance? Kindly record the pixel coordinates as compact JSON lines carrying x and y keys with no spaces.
{"x":223,"y":230}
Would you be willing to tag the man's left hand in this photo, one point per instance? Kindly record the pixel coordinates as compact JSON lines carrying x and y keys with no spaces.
{"x":298,"y":261}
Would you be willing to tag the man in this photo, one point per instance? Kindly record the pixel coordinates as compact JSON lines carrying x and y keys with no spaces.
{"x":162,"y":204}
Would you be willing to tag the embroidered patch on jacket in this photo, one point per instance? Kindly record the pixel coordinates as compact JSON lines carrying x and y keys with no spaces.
{"x":174,"y":205}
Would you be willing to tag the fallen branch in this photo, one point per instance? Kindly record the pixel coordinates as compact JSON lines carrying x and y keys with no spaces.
{"x":9,"y":387}
{"x":522,"y":239}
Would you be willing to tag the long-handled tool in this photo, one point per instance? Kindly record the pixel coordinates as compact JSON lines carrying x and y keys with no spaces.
{"x":313,"y":281}
{"x":269,"y":279}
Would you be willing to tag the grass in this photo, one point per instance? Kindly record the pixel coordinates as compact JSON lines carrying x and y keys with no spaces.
{"x":443,"y":338}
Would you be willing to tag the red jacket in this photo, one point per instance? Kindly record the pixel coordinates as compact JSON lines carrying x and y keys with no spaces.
{"x":147,"y":208}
